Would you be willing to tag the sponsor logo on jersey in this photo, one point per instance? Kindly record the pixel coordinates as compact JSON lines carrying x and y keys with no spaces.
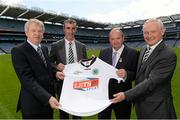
{"x":77,"y":72}
{"x":86,"y":84}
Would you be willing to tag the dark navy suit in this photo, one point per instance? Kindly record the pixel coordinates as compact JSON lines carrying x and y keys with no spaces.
{"x":128,"y":61}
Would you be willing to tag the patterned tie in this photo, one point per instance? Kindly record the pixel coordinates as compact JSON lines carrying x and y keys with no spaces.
{"x":114,"y":57}
{"x":70,"y":55}
{"x":41,"y":55}
{"x":146,"y":54}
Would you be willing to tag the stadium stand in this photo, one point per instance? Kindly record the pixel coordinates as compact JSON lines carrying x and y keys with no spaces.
{"x":93,"y":34}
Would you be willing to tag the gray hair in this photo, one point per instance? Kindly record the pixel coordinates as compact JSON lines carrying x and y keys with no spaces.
{"x":36,"y":21}
{"x":158,"y":21}
{"x":70,"y":21}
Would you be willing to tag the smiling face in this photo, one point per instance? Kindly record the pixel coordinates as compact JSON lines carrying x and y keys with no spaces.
{"x":116,"y":38}
{"x":153,"y":32}
{"x":69,"y":31}
{"x":34,"y":33}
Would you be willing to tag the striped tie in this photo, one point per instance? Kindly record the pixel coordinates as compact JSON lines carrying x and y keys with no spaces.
{"x":146,"y":54}
{"x":39,"y":51}
{"x":70,"y":55}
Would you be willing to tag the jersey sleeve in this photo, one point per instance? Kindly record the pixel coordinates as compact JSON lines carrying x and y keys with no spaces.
{"x":109,"y":71}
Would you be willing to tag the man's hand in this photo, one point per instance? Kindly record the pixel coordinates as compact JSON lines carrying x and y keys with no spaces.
{"x":60,"y":67}
{"x":122,"y":73}
{"x":54,"y":103}
{"x":118,"y":97}
{"x":60,"y":75}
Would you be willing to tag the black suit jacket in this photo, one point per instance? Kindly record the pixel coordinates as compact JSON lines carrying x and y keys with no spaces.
{"x":128,"y":61}
{"x":58,"y":55}
{"x":36,"y":79}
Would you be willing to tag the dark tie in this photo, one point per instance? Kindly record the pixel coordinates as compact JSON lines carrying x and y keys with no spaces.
{"x":70,"y":55}
{"x":146,"y":54}
{"x":41,"y":55}
{"x":114,"y":57}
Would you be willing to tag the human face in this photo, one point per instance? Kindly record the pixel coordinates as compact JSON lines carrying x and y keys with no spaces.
{"x":153,"y":33}
{"x":116,"y":39}
{"x":35,"y":33}
{"x":69,"y":31}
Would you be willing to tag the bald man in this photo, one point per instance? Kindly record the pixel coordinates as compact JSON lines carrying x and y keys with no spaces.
{"x":125,"y":60}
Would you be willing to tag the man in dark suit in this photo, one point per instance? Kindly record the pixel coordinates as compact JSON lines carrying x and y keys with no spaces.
{"x":67,"y":51}
{"x":156,"y":65}
{"x":125,"y":60}
{"x":35,"y":74}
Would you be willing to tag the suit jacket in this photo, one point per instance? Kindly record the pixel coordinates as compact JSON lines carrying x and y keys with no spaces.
{"x":36,"y":79}
{"x":152,"y":93}
{"x":58,"y":55}
{"x":128,"y":61}
{"x":58,"y":52}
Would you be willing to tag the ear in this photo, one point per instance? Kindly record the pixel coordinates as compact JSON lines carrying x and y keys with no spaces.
{"x":163,"y":31}
{"x":26,"y":33}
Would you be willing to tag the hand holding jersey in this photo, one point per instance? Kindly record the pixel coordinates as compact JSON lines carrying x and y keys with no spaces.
{"x":85,"y":87}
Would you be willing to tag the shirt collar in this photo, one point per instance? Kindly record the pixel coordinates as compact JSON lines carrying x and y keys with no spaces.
{"x":154,"y":46}
{"x":119,"y":51}
{"x":67,"y":42}
{"x":33,"y":45}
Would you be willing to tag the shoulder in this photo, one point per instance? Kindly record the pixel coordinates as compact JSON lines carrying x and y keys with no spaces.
{"x":58,"y":43}
{"x":164,"y":50}
{"x":131,"y":50}
{"x":20,"y":47}
{"x":106,"y":50}
{"x":164,"y":53}
{"x":79,"y":43}
{"x":168,"y":51}
{"x":130,"y":54}
{"x":20,"y":50}
{"x":44,"y":47}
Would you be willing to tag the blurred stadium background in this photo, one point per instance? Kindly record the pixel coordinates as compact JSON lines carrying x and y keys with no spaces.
{"x":93,"y":34}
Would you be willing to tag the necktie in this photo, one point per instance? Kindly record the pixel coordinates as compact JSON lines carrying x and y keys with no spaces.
{"x":146,"y":54}
{"x":114,"y":57}
{"x":70,"y":55}
{"x":41,"y":55}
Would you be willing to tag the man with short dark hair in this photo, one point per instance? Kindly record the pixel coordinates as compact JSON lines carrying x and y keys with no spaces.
{"x":66,"y":51}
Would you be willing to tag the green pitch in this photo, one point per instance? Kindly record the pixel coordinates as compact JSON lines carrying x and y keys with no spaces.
{"x":9,"y":88}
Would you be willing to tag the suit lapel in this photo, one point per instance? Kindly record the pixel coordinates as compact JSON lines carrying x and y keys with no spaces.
{"x":61,"y":51}
{"x":79,"y":52}
{"x":140,"y":58}
{"x":109,"y":59}
{"x":45,"y":55}
{"x":122,"y":57}
{"x":153,"y":55}
{"x":33,"y":52}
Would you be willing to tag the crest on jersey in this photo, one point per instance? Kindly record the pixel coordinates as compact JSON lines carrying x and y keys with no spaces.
{"x":95,"y":71}
{"x":86,"y":84}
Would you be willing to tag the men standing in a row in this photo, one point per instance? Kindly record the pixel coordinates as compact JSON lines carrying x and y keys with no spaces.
{"x":67,"y":51}
{"x":156,"y":65}
{"x":33,"y":68}
{"x":125,"y":60}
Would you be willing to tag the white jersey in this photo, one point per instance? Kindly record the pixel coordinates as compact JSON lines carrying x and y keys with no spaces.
{"x":85,"y":87}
